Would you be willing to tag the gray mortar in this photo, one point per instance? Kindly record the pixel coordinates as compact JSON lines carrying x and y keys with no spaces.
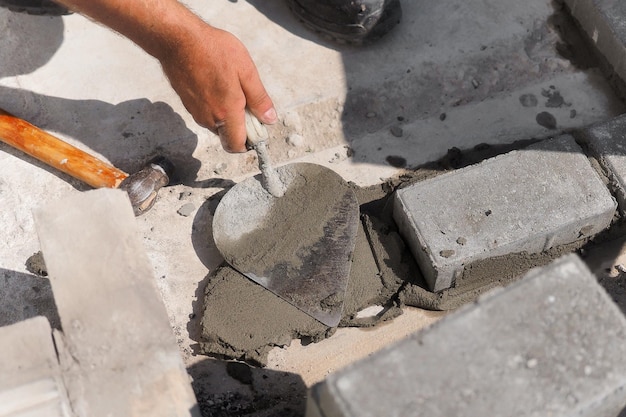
{"x":271,"y":179}
{"x":244,"y":321}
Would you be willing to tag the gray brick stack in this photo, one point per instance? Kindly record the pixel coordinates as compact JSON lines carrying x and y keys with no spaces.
{"x":603,"y":21}
{"x":117,"y":349}
{"x":550,"y":344}
{"x":607,"y":143}
{"x":527,"y":200}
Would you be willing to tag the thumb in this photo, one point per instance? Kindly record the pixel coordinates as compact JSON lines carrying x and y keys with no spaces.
{"x":258,"y":101}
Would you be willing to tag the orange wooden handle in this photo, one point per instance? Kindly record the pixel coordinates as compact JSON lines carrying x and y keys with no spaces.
{"x":58,"y":154}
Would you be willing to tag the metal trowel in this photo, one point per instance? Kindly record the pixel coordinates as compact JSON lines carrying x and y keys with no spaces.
{"x":291,"y":229}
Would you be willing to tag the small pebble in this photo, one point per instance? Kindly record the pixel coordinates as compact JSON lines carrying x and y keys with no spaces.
{"x":442,"y":116}
{"x":292,"y":119}
{"x":475,"y":83}
{"x":295,"y":140}
{"x":397,"y":131}
{"x":220,"y":168}
{"x":528,"y":100}
{"x":447,"y":253}
{"x":396,"y":161}
{"x":461,"y":241}
{"x":531,"y":363}
{"x":184,"y":195}
{"x":186,"y":210}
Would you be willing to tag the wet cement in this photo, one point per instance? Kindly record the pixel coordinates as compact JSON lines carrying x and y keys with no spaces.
{"x":244,"y":321}
{"x":301,"y":245}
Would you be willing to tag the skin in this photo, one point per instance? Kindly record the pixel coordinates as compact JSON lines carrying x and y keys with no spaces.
{"x":210,"y":69}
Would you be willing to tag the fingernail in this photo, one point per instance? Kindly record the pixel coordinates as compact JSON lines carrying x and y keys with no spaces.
{"x":270,"y":116}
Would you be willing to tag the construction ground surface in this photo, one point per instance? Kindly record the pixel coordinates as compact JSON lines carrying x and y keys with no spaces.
{"x":454,"y":74}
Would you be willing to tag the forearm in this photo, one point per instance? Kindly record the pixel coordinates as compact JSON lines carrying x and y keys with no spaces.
{"x":210,"y":69}
{"x":157,"y":26}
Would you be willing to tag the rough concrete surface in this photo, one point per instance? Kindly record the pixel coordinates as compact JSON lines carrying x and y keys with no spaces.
{"x":108,"y":302}
{"x":607,"y":144}
{"x":528,"y":350}
{"x":530,"y":200}
{"x":452,"y":77}
{"x":32,"y":382}
{"x":603,"y":23}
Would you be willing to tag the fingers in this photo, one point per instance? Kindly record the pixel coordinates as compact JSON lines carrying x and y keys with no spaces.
{"x":216,"y":80}
{"x":257,"y":99}
{"x":232,"y":130}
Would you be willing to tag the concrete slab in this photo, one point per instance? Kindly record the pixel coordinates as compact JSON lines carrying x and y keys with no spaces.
{"x":549,"y":344}
{"x":98,"y":91}
{"x":528,"y":200}
{"x":118,"y":351}
{"x":31,"y":382}
{"x":603,"y":21}
{"x":607,"y":143}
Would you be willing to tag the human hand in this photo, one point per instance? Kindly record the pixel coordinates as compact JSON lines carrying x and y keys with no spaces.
{"x":216,"y":79}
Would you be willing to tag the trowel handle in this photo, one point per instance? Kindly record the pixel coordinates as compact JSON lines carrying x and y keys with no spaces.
{"x":56,"y":153}
{"x":257,"y":138}
{"x":255,"y":130}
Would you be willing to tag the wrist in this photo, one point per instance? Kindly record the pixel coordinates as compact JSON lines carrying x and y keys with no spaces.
{"x":160,"y":27}
{"x":170,"y":32}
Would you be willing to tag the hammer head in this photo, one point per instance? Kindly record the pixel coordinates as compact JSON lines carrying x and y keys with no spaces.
{"x":142,"y":187}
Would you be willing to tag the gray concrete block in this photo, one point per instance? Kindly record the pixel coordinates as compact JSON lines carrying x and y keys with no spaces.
{"x":550,"y":344}
{"x":607,"y":143}
{"x":603,"y":22}
{"x":30,"y":375}
{"x":528,"y":200}
{"x":117,"y":349}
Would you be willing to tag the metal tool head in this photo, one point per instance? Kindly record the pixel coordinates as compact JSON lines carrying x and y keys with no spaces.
{"x":300,"y":245}
{"x":143,"y":186}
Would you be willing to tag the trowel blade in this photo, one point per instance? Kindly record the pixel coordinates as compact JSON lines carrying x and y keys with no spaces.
{"x":298,"y":246}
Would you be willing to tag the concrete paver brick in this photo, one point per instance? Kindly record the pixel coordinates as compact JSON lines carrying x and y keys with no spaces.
{"x":607,"y":143}
{"x":549,"y":344}
{"x":603,"y":21}
{"x":117,"y":349}
{"x":30,"y":382}
{"x":528,"y":200}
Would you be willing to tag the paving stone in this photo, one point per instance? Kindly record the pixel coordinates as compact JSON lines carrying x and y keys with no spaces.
{"x":549,"y":344}
{"x":117,"y":350}
{"x":31,"y":383}
{"x":607,"y":143}
{"x":603,"y":21}
{"x":528,"y":200}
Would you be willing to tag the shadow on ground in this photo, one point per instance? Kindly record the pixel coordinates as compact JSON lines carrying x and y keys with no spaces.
{"x":226,"y":388}
{"x":26,"y":296}
{"x":30,"y":41}
{"x":127,"y":134}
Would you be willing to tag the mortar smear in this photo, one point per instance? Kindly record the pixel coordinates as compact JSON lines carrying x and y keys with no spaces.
{"x":244,"y":321}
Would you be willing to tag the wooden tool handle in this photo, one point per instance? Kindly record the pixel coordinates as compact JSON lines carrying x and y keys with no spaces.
{"x":58,"y":154}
